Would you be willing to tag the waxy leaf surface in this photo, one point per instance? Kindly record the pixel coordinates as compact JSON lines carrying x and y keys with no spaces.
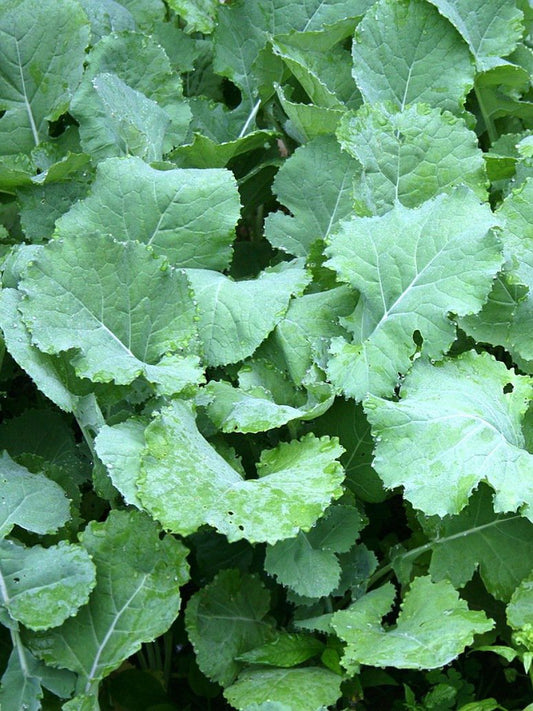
{"x":185,"y":483}
{"x":412,"y":267}
{"x":188,"y":216}
{"x":122,"y":309}
{"x":457,"y":423}
{"x":433,"y":627}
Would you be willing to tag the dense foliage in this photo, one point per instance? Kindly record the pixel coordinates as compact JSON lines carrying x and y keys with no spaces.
{"x":267,"y":356}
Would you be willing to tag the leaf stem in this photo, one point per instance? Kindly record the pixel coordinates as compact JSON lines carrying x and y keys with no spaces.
{"x":251,"y":116}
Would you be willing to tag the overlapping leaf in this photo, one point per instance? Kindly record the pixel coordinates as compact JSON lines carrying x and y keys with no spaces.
{"x":410,"y":155}
{"x":41,"y":587}
{"x":185,"y":483}
{"x":225,"y":619}
{"x":433,"y":627}
{"x":236,"y":317}
{"x":316,"y":184}
{"x":444,"y":261}
{"x":406,"y":52}
{"x":119,"y":307}
{"x":41,"y":58}
{"x":188,"y":216}
{"x":457,"y":423}
{"x":136,"y":598}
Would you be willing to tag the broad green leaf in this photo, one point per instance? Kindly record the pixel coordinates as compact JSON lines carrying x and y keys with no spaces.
{"x":490,"y":27}
{"x":185,"y":483}
{"x":323,"y":72}
{"x":305,"y":689}
{"x":107,"y":16}
{"x":135,"y":600}
{"x":268,"y":706}
{"x":500,"y":546}
{"x":411,"y":155}
{"x":41,"y":587}
{"x":142,"y":64}
{"x":316,"y":185}
{"x":310,"y":322}
{"x":457,"y":423}
{"x":517,"y":239}
{"x":433,"y":627}
{"x":41,"y":58}
{"x":120,"y":449}
{"x":226,"y":618}
{"x":406,"y":52}
{"x":409,"y":285}
{"x":117,"y":120}
{"x":23,"y":678}
{"x":188,"y":216}
{"x":45,"y":370}
{"x":199,"y":15}
{"x":235,"y":317}
{"x":243,"y":29}
{"x":122,"y":309}
{"x":307,"y":121}
{"x":236,"y":410}
{"x":308,"y":564}
{"x":22,"y":495}
{"x":82,"y":702}
{"x":287,"y":650}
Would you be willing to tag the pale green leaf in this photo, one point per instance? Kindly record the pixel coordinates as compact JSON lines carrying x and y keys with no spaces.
{"x":490,"y":27}
{"x":323,"y":72}
{"x":287,"y":650}
{"x":520,"y":613}
{"x":316,"y":185}
{"x":117,"y":120}
{"x":185,"y":483}
{"x":411,"y":155}
{"x":41,"y":587}
{"x":107,"y":16}
{"x":82,"y":702}
{"x":445,"y":261}
{"x":226,"y":618}
{"x":42,"y":50}
{"x":236,"y":410}
{"x":145,"y":12}
{"x":307,"y":121}
{"x":188,"y":216}
{"x":120,"y":449}
{"x":235,"y":317}
{"x":305,"y":689}
{"x":42,"y":205}
{"x":21,"y":500}
{"x":199,"y":15}
{"x":206,"y":153}
{"x":457,"y":423}
{"x":243,"y":29}
{"x":24,"y":675}
{"x":433,"y":627}
{"x":506,"y":317}
{"x":143,"y":65}
{"x":501,"y":547}
{"x":43,"y":369}
{"x":121,"y":308}
{"x":311,"y":321}
{"x":136,"y":598}
{"x":406,"y":52}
